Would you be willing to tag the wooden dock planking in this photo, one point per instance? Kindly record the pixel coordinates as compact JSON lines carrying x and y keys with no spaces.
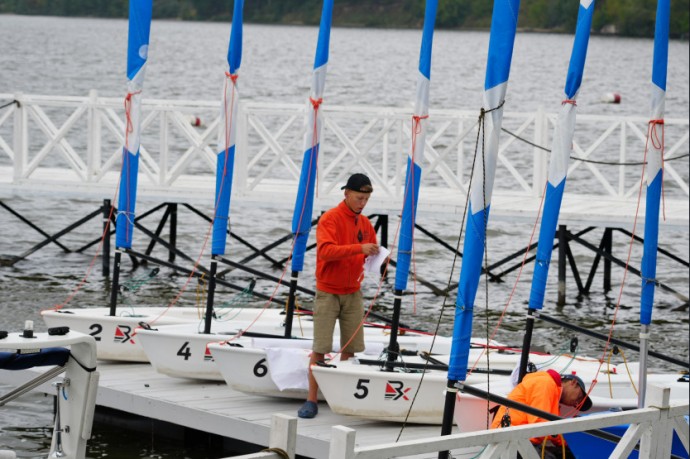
{"x":215,"y":408}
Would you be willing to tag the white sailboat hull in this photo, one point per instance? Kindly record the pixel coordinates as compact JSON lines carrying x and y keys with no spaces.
{"x":252,"y":367}
{"x":117,"y":336}
{"x":246,"y":369}
{"x":370,"y":392}
{"x":182,"y":351}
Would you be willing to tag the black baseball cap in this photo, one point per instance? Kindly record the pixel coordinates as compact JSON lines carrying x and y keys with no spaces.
{"x":358,"y":182}
{"x":587,"y":404}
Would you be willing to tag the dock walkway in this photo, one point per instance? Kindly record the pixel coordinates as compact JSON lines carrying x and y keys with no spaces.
{"x":71,"y":146}
{"x":215,"y":408}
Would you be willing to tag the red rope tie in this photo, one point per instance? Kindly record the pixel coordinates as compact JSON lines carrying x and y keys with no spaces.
{"x":658,"y":144}
{"x":654,"y":135}
{"x":417,"y":123}
{"x":233,"y":77}
{"x":316,"y":103}
{"x":128,"y":111}
{"x":572,"y":102}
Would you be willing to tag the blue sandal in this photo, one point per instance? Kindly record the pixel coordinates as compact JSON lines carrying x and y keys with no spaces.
{"x":308,"y":410}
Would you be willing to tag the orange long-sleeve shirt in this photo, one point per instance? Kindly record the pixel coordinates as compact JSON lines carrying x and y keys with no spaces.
{"x":339,"y":258}
{"x":541,"y":390}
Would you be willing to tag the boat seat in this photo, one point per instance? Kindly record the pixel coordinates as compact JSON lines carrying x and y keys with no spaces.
{"x":49,"y":356}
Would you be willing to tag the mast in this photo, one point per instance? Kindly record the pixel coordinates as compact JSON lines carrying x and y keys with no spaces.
{"x":304,"y":204}
{"x":137,"y":54}
{"x":654,"y":173}
{"x":413,"y":175}
{"x":501,"y":41}
{"x":225,"y":161}
{"x":558,"y":170}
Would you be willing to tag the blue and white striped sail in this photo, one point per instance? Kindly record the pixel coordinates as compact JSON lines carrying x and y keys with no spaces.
{"x":501,"y":41}
{"x":413,"y":175}
{"x":654,"y":161}
{"x":137,"y":53}
{"x":304,"y":204}
{"x":654,"y":173}
{"x":227,"y":131}
{"x":560,"y":154}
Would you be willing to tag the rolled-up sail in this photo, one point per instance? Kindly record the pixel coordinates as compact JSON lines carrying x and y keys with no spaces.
{"x":304,"y":204}
{"x":654,"y":173}
{"x":226,"y":134}
{"x":137,"y":53}
{"x":560,"y":154}
{"x":413,"y":175}
{"x":225,"y":158}
{"x":501,"y":41}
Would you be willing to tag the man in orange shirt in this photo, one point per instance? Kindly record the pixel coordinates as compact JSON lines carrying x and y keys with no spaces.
{"x":544,"y":390}
{"x":344,"y":238}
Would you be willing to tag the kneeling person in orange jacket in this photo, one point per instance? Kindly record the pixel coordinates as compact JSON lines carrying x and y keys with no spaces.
{"x":544,"y":390}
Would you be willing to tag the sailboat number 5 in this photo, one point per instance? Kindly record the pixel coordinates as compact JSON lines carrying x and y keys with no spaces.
{"x":361,"y":387}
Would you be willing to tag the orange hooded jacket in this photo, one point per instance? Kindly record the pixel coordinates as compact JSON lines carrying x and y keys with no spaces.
{"x":340,"y":234}
{"x":541,"y":390}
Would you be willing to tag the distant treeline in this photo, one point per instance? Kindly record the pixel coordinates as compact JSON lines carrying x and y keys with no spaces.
{"x":619,"y":17}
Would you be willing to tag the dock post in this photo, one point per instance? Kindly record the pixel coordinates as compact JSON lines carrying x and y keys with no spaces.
{"x":562,"y":255}
{"x":284,"y":434}
{"x":608,"y":248}
{"x":383,"y":218}
{"x":656,"y":440}
{"x":342,"y":443}
{"x":105,"y":255}
{"x":173,"y":231}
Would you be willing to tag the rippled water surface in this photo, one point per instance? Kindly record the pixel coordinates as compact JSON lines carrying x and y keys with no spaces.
{"x":65,"y":56}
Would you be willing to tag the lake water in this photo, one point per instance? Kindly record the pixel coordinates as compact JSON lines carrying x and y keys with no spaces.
{"x":69,"y":56}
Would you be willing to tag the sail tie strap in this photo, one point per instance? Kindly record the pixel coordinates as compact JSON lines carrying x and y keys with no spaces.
{"x":128,"y":115}
{"x":483,"y":111}
{"x":658,"y":144}
{"x":572,"y":102}
{"x":316,"y":103}
{"x":233,"y":77}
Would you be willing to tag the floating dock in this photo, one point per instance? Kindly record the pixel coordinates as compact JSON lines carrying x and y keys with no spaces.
{"x":215,"y":408}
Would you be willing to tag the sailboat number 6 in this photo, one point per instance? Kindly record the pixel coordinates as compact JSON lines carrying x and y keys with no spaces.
{"x":260,"y":369}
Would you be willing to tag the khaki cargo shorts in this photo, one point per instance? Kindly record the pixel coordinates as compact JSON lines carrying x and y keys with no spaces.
{"x":348,"y":311}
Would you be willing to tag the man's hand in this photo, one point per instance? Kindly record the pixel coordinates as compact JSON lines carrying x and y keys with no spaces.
{"x":370,"y":249}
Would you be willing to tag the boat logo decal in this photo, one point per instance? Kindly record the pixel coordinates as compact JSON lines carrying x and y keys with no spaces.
{"x":208,"y":357}
{"x":395,"y":390}
{"x":123,"y":334}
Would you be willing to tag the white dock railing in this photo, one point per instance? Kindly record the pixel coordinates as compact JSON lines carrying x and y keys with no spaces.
{"x":651,"y":427}
{"x":73,"y":145}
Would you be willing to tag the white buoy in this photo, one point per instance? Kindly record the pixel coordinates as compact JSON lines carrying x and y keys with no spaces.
{"x":611,"y":98}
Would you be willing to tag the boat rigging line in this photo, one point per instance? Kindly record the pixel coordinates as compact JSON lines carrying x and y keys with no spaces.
{"x":584,"y":160}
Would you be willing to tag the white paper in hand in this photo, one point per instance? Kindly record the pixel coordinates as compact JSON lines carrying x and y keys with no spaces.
{"x":372,"y":263}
